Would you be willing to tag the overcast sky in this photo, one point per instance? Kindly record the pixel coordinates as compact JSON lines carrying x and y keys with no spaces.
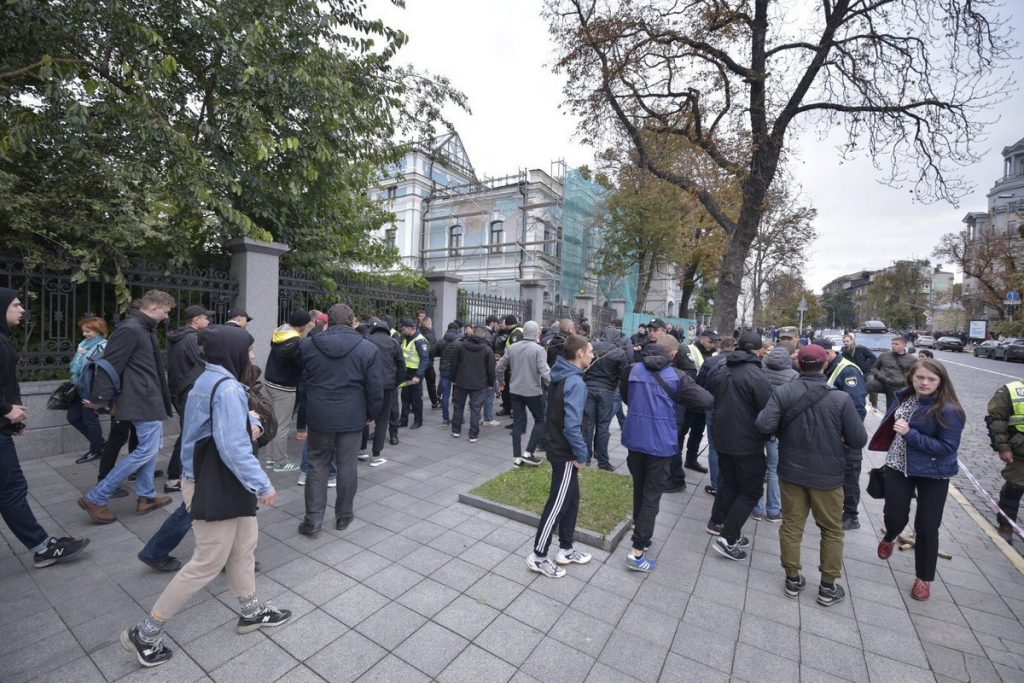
{"x":499,"y":53}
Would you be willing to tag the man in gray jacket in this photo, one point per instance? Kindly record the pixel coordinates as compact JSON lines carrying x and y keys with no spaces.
{"x":527,"y":361}
{"x":817,"y":426}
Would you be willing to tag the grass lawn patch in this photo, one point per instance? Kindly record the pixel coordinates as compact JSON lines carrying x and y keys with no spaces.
{"x":606,"y":497}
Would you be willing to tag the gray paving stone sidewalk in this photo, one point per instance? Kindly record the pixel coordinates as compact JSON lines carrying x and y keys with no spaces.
{"x":421,"y":587}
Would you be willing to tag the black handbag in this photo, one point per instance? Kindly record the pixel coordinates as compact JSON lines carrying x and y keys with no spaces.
{"x":218,"y":493}
{"x":63,"y":397}
{"x":876,"y":482}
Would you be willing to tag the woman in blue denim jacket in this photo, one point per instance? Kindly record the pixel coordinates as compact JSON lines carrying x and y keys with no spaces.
{"x":231,"y":543}
{"x":926,"y":423}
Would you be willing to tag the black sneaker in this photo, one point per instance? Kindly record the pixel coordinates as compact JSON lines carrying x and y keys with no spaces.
{"x":446,"y":423}
{"x":58,"y":550}
{"x":456,"y":435}
{"x":732,"y":552}
{"x":268,"y":616}
{"x":794,"y":586}
{"x":696,"y":467}
{"x":168,"y":564}
{"x":393,"y":440}
{"x":149,"y":654}
{"x":830,"y":596}
{"x":173,"y":488}
{"x":307,"y":529}
{"x":710,"y":490}
{"x":88,"y":457}
{"x":851,"y":523}
{"x":156,"y":474}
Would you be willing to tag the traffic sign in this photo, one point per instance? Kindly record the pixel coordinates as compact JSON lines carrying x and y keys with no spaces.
{"x":803,"y":305}
{"x":1013,"y":296}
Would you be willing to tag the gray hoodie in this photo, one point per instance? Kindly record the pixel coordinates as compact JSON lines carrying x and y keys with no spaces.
{"x":779,"y":366}
{"x":529,"y":365}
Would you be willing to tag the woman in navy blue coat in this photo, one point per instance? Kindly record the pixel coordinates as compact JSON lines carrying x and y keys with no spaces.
{"x":925,"y":425}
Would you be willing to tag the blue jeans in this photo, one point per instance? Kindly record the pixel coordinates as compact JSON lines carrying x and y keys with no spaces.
{"x":87,"y":422}
{"x":620,"y":414}
{"x":712,"y":453}
{"x":168,"y":536}
{"x":14,"y":505}
{"x":772,"y":494}
{"x":305,"y":466}
{"x":599,"y":410}
{"x":446,"y":396}
{"x":142,"y":459}
{"x":489,"y":404}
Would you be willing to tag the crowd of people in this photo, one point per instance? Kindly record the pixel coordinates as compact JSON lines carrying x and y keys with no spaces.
{"x":782,"y":426}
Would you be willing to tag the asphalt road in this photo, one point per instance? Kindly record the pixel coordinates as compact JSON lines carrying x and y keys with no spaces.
{"x":975,"y":380}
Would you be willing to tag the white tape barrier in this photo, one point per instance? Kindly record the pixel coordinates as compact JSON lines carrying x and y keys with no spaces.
{"x":974,"y":480}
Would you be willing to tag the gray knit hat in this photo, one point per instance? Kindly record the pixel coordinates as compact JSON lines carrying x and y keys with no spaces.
{"x":531,"y":330}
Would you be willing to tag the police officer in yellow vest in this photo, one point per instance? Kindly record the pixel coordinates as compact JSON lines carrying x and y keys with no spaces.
{"x":846,"y":376}
{"x":416,"y":350}
{"x":1005,"y":421}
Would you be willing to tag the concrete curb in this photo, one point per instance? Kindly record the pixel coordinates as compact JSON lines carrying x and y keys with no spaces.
{"x":607,"y":542}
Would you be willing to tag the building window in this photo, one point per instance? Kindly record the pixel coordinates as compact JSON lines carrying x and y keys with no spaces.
{"x":391,"y":192}
{"x":497,"y":236}
{"x":549,"y":240}
{"x":454,"y":240}
{"x":391,"y":237}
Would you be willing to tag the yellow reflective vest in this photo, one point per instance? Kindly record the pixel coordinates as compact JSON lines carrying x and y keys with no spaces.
{"x":411,"y":353}
{"x":1016,"y":389}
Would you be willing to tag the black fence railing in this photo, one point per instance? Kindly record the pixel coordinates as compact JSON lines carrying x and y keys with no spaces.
{"x":474,"y":308}
{"x":367,"y":295}
{"x":55,"y":302}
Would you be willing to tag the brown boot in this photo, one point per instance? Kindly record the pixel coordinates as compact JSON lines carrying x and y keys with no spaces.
{"x":145,"y":505}
{"x":100,"y":514}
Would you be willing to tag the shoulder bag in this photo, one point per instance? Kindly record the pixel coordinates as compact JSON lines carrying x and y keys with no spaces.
{"x":218,"y":494}
{"x":63,"y":397}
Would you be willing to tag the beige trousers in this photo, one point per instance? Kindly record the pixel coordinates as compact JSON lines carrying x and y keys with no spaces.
{"x":230,"y":543}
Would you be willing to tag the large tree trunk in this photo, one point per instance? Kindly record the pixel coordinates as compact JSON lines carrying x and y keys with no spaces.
{"x":688,"y":284}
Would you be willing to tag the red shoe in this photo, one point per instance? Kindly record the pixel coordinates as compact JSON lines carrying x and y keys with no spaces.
{"x":922,"y":590}
{"x":885,"y":549}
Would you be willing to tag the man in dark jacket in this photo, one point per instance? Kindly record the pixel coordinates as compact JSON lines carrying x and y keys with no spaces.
{"x":846,"y":376}
{"x":392,"y":366}
{"x":145,"y":400}
{"x":14,"y":507}
{"x":814,"y":448}
{"x":889,"y":373}
{"x":511,"y":333}
{"x":472,"y":371}
{"x":860,"y":355}
{"x":344,"y":390}
{"x":602,"y":379}
{"x":707,"y":371}
{"x":741,"y":390}
{"x":652,"y":391}
{"x":1005,"y":427}
{"x":430,"y":377}
{"x":566,"y":327}
{"x":183,"y":367}
{"x":445,"y":349}
{"x":281,"y":378}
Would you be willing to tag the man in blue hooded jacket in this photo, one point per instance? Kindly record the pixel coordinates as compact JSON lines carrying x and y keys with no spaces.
{"x":566,"y":450}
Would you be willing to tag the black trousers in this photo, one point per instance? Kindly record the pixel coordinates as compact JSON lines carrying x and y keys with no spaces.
{"x":931,"y":500}
{"x":412,"y":399}
{"x":174,"y":466}
{"x":740,"y":486}
{"x":1009,"y":502}
{"x":650,"y":479}
{"x":506,"y":395}
{"x":431,"y":379}
{"x":14,"y":507}
{"x":561,"y":509}
{"x":851,"y":488}
{"x":121,"y":431}
{"x":695,"y":423}
{"x":381,"y":421}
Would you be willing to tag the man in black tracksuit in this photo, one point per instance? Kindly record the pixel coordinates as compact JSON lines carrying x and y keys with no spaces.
{"x":741,"y":390}
{"x":392,"y":365}
{"x":184,"y":365}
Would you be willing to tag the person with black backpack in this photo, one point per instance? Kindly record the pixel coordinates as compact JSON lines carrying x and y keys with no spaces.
{"x":817,"y":426}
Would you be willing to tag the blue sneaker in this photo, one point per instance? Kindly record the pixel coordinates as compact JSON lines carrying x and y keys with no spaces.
{"x":640,"y":564}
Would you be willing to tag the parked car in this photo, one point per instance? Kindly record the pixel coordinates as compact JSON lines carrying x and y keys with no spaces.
{"x":948,"y":344}
{"x":1014,"y":351}
{"x":984,"y":349}
{"x":925,"y":341}
{"x":999,"y":352}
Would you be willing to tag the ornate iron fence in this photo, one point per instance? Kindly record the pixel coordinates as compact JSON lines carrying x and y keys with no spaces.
{"x":474,"y":308}
{"x":367,"y":295}
{"x":560,"y":311}
{"x":603,"y":317}
{"x":55,"y":302}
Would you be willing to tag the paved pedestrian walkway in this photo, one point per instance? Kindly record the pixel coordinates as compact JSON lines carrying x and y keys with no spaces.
{"x":421,"y":587}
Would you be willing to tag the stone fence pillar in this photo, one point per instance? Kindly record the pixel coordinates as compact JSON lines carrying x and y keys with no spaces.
{"x":533,"y":291}
{"x":585,"y":302}
{"x":445,"y":287}
{"x":255,"y":265}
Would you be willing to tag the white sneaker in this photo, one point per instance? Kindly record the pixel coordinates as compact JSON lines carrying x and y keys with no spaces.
{"x":491,"y":423}
{"x":332,"y":482}
{"x":544,"y":565}
{"x":377,"y":461}
{"x":363,"y":456}
{"x":302,"y":478}
{"x":572,"y":555}
{"x":530,"y":459}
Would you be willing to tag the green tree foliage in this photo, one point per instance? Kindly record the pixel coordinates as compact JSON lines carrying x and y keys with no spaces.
{"x":782,"y":299}
{"x":164,"y":129}
{"x":839,"y":306}
{"x":898,"y":296}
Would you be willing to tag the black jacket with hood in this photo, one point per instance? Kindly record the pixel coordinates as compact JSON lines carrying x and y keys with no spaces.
{"x":344,"y":383}
{"x":283,"y":369}
{"x":182,"y":360}
{"x":445,"y":348}
{"x":392,"y":362}
{"x":10,"y":391}
{"x":607,"y":368}
{"x":472,"y":364}
{"x":814,"y":447}
{"x":134,"y":352}
{"x":741,"y":391}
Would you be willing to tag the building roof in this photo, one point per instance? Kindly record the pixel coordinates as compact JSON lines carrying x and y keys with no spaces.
{"x":1015,"y":147}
